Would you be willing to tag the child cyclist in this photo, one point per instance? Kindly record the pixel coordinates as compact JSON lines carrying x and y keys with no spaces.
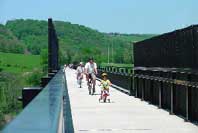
{"x":105,"y":84}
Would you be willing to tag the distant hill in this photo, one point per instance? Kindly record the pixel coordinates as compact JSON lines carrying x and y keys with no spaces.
{"x":77,"y":42}
{"x":32,"y":33}
{"x":9,"y":42}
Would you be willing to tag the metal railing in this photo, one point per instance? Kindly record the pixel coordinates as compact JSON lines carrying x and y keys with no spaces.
{"x":120,"y":76}
{"x":174,"y":49}
{"x":173,"y":89}
{"x":44,"y":114}
{"x":169,"y":77}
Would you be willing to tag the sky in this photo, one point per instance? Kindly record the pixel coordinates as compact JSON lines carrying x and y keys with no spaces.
{"x":123,"y":16}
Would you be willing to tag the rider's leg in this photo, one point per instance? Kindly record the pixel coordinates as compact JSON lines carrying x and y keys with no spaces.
{"x":101,"y":94}
{"x":80,"y":82}
{"x":94,"y":84}
{"x":89,"y":83}
{"x":94,"y":81}
{"x":87,"y":78}
{"x":78,"y":79}
{"x":81,"y":78}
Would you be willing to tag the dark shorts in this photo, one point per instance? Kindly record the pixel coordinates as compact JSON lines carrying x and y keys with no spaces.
{"x":92,"y":76}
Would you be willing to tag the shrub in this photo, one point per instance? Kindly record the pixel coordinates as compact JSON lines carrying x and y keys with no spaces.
{"x":34,"y":78}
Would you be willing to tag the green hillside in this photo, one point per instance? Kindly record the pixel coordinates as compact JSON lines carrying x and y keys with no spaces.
{"x":77,"y":42}
{"x":9,"y":42}
{"x":18,"y":63}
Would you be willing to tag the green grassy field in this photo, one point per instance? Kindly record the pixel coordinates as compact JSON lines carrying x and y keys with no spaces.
{"x":18,"y":63}
{"x":117,"y":65}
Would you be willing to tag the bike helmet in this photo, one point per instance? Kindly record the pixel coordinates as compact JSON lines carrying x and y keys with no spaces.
{"x":91,"y":58}
{"x":104,"y":74}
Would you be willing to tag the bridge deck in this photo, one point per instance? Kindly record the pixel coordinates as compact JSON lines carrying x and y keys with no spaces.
{"x":124,"y":113}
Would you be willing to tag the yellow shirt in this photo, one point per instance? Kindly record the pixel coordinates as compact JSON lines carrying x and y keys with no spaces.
{"x":105,"y":84}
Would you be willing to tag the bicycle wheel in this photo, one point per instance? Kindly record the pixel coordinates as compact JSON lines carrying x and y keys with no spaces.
{"x":105,"y":98}
{"x":89,"y":88}
{"x":80,"y":83}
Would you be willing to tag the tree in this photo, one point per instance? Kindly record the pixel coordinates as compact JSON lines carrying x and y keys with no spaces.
{"x":44,"y":60}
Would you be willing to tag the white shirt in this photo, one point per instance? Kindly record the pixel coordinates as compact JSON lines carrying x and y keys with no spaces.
{"x":90,"y":67}
{"x":80,"y":69}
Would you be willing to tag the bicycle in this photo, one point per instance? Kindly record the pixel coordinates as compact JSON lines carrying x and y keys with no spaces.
{"x":79,"y":80}
{"x":104,"y":96}
{"x":91,"y":89}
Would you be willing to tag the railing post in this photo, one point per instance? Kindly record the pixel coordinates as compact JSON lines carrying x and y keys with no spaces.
{"x":171,"y":111}
{"x":143,"y":86}
{"x":121,"y":70}
{"x":143,"y":90}
{"x":110,"y":69}
{"x":160,"y":96}
{"x":160,"y":92}
{"x":172,"y":93}
{"x":136,"y":90}
{"x":151,"y":87}
{"x":115,"y":69}
{"x":132,"y":82}
{"x":187,"y":102}
{"x":135,"y":82}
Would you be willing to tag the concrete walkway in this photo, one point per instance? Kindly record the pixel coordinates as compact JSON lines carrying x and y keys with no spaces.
{"x":125,"y":114}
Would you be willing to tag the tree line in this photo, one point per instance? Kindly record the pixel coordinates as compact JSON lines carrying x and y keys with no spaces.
{"x":77,"y":42}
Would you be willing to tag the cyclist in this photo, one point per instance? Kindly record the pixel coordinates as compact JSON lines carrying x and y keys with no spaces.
{"x":105,"y":84}
{"x":80,"y":71}
{"x":91,"y":72}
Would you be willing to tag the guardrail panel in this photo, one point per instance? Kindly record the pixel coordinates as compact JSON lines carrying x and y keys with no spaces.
{"x":42,"y":114}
